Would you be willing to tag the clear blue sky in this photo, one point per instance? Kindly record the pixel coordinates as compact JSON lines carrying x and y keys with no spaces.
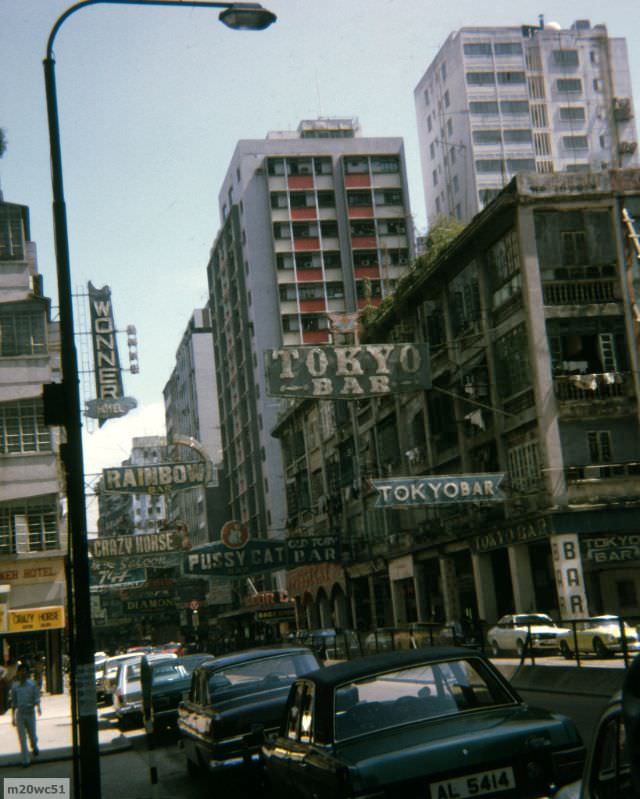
{"x":152,"y":102}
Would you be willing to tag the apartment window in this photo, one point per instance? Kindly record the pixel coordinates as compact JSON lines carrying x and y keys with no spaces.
{"x":574,"y":247}
{"x":450,"y":127}
{"x":452,"y":155}
{"x":335,"y":291}
{"x":487,"y":137}
{"x":487,"y":107}
{"x":486,"y":195}
{"x":28,"y":526}
{"x":542,"y":144}
{"x":322,"y":166}
{"x":285,"y":261}
{"x":521,"y":165}
{"x":11,"y":234}
{"x":598,"y":85}
{"x":599,"y":442}
{"x":536,"y":87}
{"x":456,"y":184}
{"x":447,"y":100}
{"x":391,"y":227}
{"x":565,"y":58}
{"x":503,"y":259}
{"x":432,"y":150}
{"x":287,"y":292}
{"x":507,"y":48}
{"x":510,"y":78}
{"x":524,"y":466}
{"x":477,"y":48}
{"x":539,"y":116}
{"x":312,"y":323}
{"x":438,"y":210}
{"x":22,"y":427}
{"x":572,"y":113}
{"x":517,"y":136}
{"x":569,"y":85}
{"x":434,"y":177}
{"x":22,"y":333}
{"x":427,"y":99}
{"x":363,"y":228}
{"x":357,"y":199}
{"x":310,"y":291}
{"x":575,"y":142}
{"x":429,"y":123}
{"x":356,"y":166}
{"x":443,"y":71}
{"x":514,"y":106}
{"x":383,"y":163}
{"x":512,"y":362}
{"x":290,"y":324}
{"x":480,"y":78}
{"x":489,"y":165}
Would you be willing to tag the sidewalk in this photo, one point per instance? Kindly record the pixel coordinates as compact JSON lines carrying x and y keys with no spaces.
{"x":55,"y":732}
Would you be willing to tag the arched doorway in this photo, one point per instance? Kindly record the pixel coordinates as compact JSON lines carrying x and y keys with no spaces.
{"x":340,"y":608}
{"x":324,"y":609}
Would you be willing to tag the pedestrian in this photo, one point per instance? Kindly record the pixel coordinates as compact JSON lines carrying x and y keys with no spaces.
{"x":39,"y":670}
{"x":25,"y":698}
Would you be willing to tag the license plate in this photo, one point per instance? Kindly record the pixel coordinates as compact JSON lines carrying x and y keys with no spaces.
{"x":483,"y":782}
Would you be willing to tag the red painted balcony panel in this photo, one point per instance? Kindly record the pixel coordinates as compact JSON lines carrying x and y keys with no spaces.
{"x":367,"y":271}
{"x":304,"y":275}
{"x":361,"y":212}
{"x":364,"y":242}
{"x":315,"y":336}
{"x":300,"y":181}
{"x":303,"y":213}
{"x":356,"y":181}
{"x":312,"y":305}
{"x":301,"y":245}
{"x":375,"y":301}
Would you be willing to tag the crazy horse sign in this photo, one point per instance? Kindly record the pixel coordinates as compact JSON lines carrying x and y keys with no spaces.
{"x":347,"y":372}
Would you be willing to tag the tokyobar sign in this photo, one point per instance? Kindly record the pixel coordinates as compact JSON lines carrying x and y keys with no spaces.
{"x":438,"y":490}
{"x":348,"y":372}
{"x":154,"y":479}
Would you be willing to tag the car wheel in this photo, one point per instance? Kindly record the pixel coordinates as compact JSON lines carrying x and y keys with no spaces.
{"x":520,"y":647}
{"x":495,"y":648}
{"x":600,"y":649}
{"x":565,"y":651}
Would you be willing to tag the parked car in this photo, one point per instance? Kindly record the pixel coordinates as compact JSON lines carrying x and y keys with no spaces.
{"x":127,"y":695}
{"x":329,"y":643}
{"x":191,"y":662}
{"x":600,"y":636}
{"x":105,"y":682}
{"x":170,"y":683}
{"x":435,"y":722}
{"x":609,"y":768}
{"x":229,"y":696}
{"x":510,"y":633}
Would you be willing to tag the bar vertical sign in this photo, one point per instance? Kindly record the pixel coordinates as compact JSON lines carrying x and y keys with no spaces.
{"x":105,"y":349}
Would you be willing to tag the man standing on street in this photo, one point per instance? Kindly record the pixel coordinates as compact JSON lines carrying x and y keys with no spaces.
{"x":25,"y":698}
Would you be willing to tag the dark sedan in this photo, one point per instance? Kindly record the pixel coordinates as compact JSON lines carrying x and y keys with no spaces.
{"x":230,"y":698}
{"x":433,"y":723}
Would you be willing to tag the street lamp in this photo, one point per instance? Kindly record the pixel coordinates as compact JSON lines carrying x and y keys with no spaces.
{"x":239,"y":16}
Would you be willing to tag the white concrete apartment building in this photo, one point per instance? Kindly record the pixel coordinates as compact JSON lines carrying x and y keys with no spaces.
{"x":498,"y":101}
{"x":314,"y":221}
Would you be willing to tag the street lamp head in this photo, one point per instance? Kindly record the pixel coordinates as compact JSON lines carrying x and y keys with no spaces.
{"x":247,"y":17}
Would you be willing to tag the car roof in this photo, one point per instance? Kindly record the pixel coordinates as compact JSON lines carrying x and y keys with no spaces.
{"x":254,"y":654}
{"x":371,"y":664}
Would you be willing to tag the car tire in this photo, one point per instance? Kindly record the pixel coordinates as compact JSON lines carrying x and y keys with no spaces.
{"x":566,"y":653}
{"x":495,"y":649}
{"x":600,"y":649}
{"x":520,"y":649}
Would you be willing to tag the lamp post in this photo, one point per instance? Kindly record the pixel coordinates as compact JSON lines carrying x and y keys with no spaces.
{"x":238,"y":16}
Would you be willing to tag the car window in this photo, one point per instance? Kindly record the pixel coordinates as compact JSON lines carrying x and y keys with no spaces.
{"x":294,"y":712}
{"x":535,"y":619}
{"x":415,"y":694}
{"x":168,"y":672}
{"x":255,"y":676}
{"x":611,"y":775}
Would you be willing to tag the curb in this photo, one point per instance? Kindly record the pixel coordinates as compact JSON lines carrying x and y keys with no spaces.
{"x":592,"y":682}
{"x":119,"y":744}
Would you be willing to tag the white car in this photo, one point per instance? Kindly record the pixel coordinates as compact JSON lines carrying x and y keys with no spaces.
{"x":510,"y":633}
{"x":600,"y":636}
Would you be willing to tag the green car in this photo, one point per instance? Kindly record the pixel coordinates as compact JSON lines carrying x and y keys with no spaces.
{"x":435,"y":723}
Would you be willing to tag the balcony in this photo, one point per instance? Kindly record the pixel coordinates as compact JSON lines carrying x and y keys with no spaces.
{"x":303,"y":213}
{"x":357,"y":181}
{"x":593,"y":483}
{"x":361,"y":212}
{"x":579,"y":292}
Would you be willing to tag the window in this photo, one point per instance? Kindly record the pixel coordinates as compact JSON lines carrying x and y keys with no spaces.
{"x":22,"y":333}
{"x":503,"y":260}
{"x":29,"y":526}
{"x":489,"y":165}
{"x":363,"y":228}
{"x":391,"y":227}
{"x":450,"y":127}
{"x":487,"y":137}
{"x":524,"y":466}
{"x":486,"y":195}
{"x":571,"y":85}
{"x":429,"y":123}
{"x":287,"y":292}
{"x":11,"y":234}
{"x":507,"y":48}
{"x":539,"y":116}
{"x":335,"y":291}
{"x":477,"y":48}
{"x":434,"y":177}
{"x":432,"y":151}
{"x":574,"y":247}
{"x":480,"y":78}
{"x":542,"y":146}
{"x":443,"y":71}
{"x":575,"y":142}
{"x":452,"y":155}
{"x":356,"y":166}
{"x":598,"y":85}
{"x":572,"y":113}
{"x":22,"y":427}
{"x":514,"y":106}
{"x":599,"y":442}
{"x":447,"y":99}
{"x":510,"y":78}
{"x":536,"y":87}
{"x":310,"y":291}
{"x":456,"y":184}
{"x":427,"y":99}
{"x":356,"y":199}
{"x":565,"y":58}
{"x":512,"y":362}
{"x":517,"y":136}
{"x":483,"y":107}
{"x":520,"y":165}
{"x":382,"y":163}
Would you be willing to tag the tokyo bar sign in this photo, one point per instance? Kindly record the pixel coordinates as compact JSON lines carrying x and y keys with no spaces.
{"x":438,"y":490}
{"x":348,"y":372}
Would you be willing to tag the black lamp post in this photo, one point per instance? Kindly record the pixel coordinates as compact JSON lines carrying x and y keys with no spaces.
{"x":239,"y":16}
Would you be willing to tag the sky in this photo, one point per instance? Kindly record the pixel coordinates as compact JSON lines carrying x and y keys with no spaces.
{"x":152,"y":102}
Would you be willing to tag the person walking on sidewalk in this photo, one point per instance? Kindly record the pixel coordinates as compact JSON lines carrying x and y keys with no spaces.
{"x":25,"y":698}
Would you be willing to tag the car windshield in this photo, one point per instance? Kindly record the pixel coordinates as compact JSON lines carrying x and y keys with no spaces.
{"x":603,"y":621}
{"x":255,"y":676}
{"x":535,"y":618}
{"x":415,"y":694}
{"x":168,"y":672}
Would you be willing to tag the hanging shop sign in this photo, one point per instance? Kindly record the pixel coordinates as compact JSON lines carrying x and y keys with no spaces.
{"x":259,"y":555}
{"x":32,"y":571}
{"x":567,"y":568}
{"x":31,"y":619}
{"x":156,"y":479}
{"x":149,"y":605}
{"x":109,"y":408}
{"x":611,"y":549}
{"x":534,"y":529}
{"x":143,"y":544}
{"x":347,"y":372}
{"x":116,"y":575}
{"x":160,"y":561}
{"x":438,"y":490}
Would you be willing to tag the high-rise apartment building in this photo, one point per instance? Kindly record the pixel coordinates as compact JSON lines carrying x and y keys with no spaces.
{"x":314,"y":221}
{"x":33,"y":539}
{"x":498,"y":101}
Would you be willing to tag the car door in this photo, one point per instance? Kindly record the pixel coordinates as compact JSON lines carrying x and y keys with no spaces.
{"x":280,"y":750}
{"x":504,"y":633}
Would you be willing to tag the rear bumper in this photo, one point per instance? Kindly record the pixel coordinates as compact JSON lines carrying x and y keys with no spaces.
{"x":236,"y":763}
